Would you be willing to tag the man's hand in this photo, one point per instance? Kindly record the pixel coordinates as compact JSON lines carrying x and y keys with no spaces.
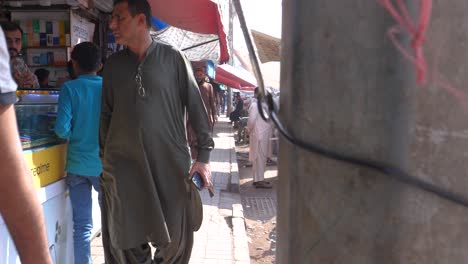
{"x":18,"y":79}
{"x":25,"y":80}
{"x":28,"y":80}
{"x":205,"y":171}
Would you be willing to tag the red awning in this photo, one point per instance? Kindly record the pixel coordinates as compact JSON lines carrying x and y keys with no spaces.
{"x":247,"y":89}
{"x":226,"y":81}
{"x":200,"y":16}
{"x":228,"y":72}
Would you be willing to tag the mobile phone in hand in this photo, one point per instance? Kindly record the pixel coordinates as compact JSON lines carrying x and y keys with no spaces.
{"x":198,"y":181}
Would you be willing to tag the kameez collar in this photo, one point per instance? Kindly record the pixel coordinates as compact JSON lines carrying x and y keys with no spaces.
{"x":148,"y":51}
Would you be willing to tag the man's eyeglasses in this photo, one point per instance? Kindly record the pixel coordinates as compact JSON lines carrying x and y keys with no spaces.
{"x":141,"y":89}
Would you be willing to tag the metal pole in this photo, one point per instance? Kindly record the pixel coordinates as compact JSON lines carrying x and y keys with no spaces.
{"x":231,"y":50}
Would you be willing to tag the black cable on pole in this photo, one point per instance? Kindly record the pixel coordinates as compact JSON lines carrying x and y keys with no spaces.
{"x":390,"y":170}
{"x":387,"y":169}
{"x":253,"y":59}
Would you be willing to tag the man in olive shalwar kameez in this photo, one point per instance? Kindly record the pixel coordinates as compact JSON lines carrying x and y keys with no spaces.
{"x":147,"y":90}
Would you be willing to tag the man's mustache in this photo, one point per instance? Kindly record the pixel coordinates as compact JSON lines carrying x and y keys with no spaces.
{"x":11,"y":50}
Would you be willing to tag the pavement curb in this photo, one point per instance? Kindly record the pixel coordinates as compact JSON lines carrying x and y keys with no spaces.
{"x":235,"y":181}
{"x":240,"y":239}
{"x":241,"y":245}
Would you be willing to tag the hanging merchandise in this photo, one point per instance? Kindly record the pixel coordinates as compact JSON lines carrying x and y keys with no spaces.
{"x":46,"y":39}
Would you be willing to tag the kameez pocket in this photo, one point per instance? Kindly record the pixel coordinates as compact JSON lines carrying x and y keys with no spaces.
{"x":195,"y":206}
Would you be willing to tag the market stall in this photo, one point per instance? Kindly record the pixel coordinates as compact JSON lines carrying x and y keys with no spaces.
{"x":49,"y":34}
{"x":50,"y":30}
{"x":45,"y":156}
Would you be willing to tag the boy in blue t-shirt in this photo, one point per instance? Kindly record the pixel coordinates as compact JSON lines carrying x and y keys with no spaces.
{"x":78,"y":121}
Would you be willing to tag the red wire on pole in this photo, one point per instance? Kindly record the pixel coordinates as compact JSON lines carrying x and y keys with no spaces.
{"x":416,"y":30}
{"x":418,"y":33}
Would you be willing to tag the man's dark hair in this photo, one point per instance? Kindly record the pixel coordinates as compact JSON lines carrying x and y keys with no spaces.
{"x":256,"y":91}
{"x":10,"y":26}
{"x":41,"y":74}
{"x":136,"y":7}
{"x":87,"y":55}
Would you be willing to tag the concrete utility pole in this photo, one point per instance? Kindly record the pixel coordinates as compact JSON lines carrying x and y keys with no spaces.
{"x":345,"y":86}
{"x":231,"y":50}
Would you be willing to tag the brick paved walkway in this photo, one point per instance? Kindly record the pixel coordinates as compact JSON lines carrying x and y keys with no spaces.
{"x":222,"y":238}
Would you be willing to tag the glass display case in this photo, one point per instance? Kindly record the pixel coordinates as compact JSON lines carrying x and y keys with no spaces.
{"x":45,"y":157}
{"x":36,"y":112}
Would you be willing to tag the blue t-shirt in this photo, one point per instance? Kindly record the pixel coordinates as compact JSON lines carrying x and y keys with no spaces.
{"x":78,"y":115}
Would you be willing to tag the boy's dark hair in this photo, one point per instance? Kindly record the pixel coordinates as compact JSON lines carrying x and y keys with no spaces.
{"x":136,"y":7}
{"x":87,"y":55}
{"x":10,"y":26}
{"x":41,"y":74}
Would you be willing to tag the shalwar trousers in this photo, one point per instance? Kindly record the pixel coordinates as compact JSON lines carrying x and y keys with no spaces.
{"x":176,"y":252}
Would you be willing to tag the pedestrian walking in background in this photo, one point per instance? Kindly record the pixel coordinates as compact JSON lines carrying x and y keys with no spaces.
{"x":209,"y":99}
{"x":259,"y":134}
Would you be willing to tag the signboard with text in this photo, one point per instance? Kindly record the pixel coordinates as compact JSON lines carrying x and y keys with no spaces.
{"x":81,"y":29}
{"x":47,"y":165}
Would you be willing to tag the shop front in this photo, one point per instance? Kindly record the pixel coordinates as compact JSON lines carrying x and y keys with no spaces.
{"x":50,"y":30}
{"x":45,"y":156}
{"x":49,"y":34}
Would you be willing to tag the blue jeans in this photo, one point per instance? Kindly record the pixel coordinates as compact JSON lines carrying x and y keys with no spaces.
{"x":81,"y":201}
